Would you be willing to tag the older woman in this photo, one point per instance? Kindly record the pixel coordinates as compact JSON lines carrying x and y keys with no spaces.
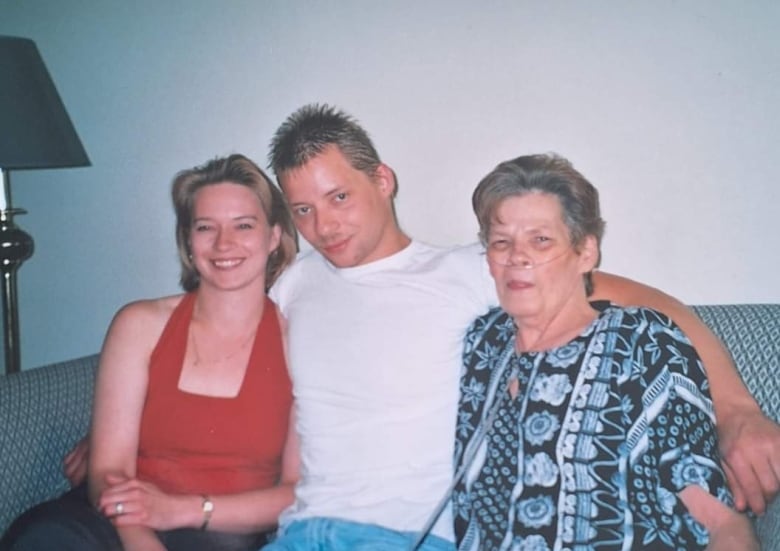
{"x":580,"y":426}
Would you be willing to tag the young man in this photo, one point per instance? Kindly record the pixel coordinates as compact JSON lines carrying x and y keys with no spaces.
{"x":375,"y":327}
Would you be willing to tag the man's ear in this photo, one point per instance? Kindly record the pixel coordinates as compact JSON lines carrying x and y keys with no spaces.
{"x":384,"y":177}
{"x":589,"y":254}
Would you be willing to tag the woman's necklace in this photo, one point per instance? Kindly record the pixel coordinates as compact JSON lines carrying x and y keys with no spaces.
{"x":222,"y":359}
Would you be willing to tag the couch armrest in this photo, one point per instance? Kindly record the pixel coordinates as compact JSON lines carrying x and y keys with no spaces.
{"x":43,"y":413}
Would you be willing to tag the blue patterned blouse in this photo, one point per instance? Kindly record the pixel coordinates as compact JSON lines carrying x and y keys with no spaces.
{"x":592,"y":451}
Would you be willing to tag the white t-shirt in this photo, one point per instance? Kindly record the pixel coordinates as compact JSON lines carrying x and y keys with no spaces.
{"x":375,"y":360}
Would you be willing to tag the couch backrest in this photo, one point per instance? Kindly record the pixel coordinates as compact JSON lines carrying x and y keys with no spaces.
{"x":43,"y":413}
{"x":752,"y":334}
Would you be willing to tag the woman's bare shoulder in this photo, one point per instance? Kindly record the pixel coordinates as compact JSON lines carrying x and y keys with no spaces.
{"x":146,"y":315}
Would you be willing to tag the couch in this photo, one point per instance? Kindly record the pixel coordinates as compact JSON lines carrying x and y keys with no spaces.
{"x":44,"y":411}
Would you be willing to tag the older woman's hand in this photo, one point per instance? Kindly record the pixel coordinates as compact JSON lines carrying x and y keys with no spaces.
{"x":750,"y":446}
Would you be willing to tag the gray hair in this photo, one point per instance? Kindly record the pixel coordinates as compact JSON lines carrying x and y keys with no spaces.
{"x":551,"y":174}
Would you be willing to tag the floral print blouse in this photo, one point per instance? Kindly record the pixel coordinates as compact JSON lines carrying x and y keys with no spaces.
{"x":592,"y":451}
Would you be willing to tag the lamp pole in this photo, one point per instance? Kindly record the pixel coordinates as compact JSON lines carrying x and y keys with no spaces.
{"x":16,"y":246}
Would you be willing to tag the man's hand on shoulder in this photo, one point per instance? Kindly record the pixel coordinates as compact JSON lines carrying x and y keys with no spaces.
{"x":749,"y":441}
{"x":75,"y":463}
{"x":750,"y":446}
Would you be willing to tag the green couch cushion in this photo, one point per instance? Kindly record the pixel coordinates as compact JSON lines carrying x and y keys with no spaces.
{"x":43,"y":413}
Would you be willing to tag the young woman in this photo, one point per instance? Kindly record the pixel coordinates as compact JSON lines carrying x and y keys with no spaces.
{"x":190,"y":447}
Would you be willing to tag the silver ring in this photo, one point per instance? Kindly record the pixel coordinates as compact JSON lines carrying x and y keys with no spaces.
{"x":119,"y":508}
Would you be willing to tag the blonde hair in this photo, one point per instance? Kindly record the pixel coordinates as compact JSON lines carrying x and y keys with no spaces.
{"x":236,"y":169}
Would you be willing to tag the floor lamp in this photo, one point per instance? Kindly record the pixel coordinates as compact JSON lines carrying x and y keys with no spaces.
{"x":35,"y":132}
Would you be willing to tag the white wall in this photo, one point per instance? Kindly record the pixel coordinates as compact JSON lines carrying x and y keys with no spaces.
{"x":671,"y":108}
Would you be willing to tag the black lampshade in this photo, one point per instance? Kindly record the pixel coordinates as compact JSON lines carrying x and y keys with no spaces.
{"x":35,"y":130}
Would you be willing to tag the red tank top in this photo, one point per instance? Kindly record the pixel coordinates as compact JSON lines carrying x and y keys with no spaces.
{"x":191,"y":443}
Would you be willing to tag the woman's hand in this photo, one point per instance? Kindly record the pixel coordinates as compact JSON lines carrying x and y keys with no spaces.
{"x":142,"y":503}
{"x":728,"y":529}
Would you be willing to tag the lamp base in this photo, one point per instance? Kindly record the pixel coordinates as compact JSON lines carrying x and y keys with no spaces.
{"x":16,"y":246}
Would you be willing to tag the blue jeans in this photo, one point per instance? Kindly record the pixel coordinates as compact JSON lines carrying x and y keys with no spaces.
{"x":329,"y":534}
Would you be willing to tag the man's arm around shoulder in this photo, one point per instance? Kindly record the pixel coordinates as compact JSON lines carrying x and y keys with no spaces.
{"x":749,"y":441}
